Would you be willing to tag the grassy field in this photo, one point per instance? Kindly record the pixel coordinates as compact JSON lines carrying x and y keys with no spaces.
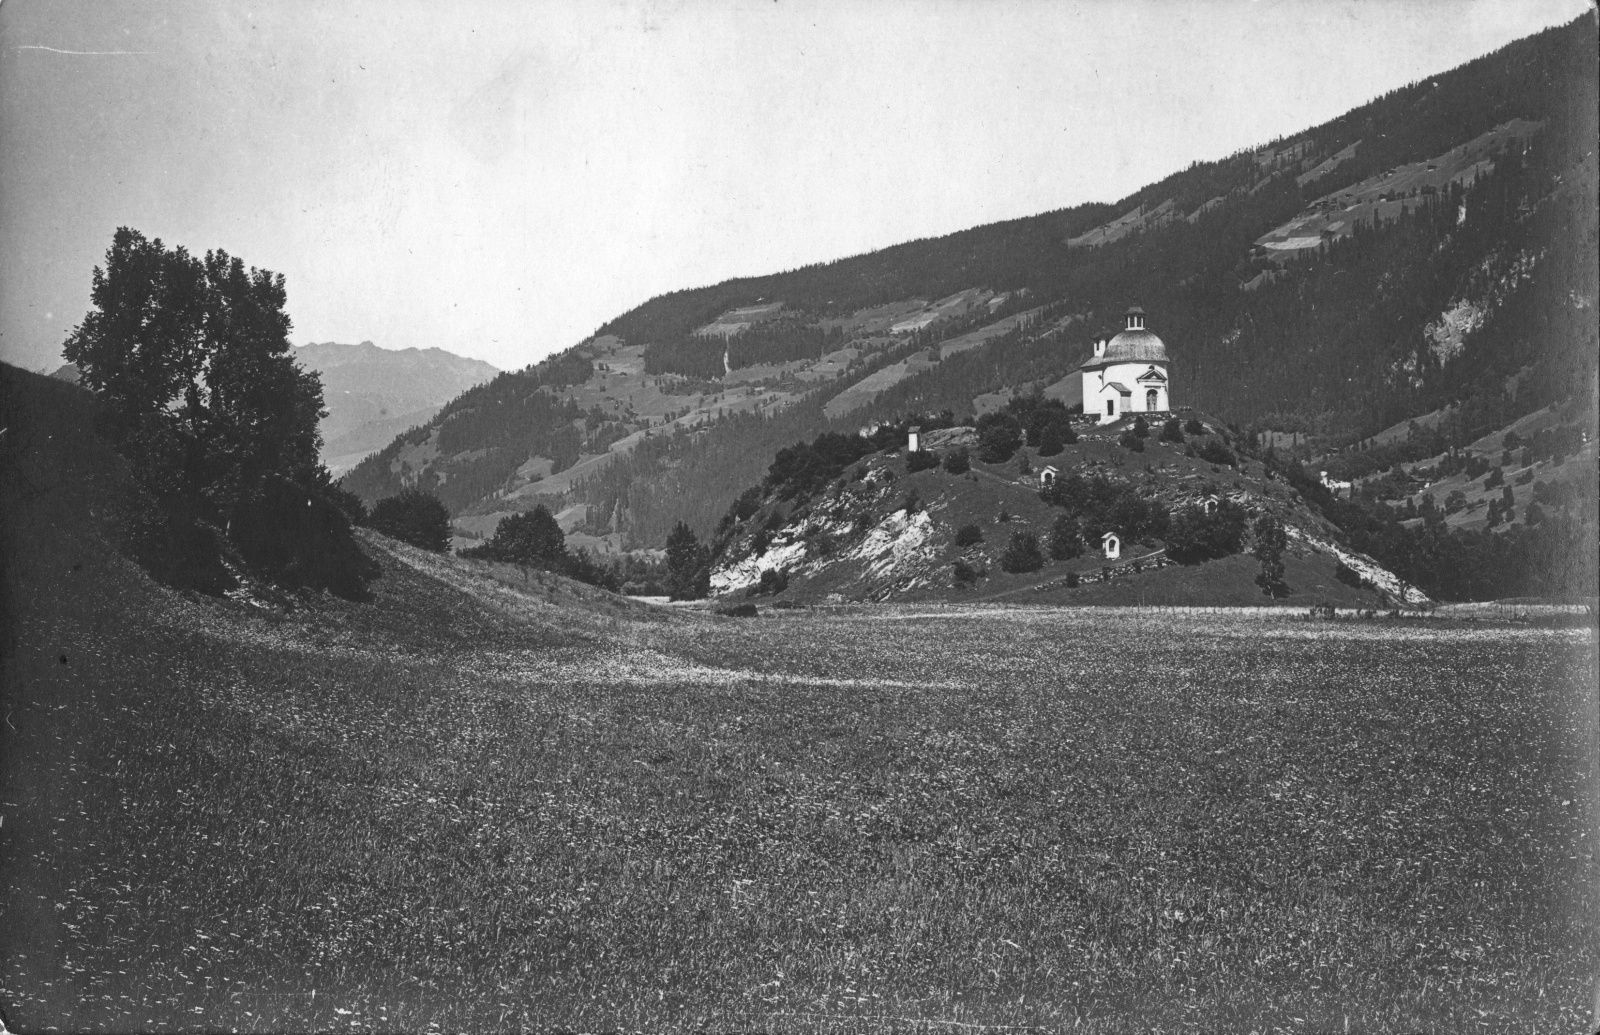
{"x":479,"y":803}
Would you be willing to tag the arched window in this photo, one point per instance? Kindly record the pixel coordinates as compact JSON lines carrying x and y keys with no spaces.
{"x":1150,"y":398}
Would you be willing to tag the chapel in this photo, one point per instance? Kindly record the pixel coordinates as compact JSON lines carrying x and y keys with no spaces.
{"x":1127,"y":374}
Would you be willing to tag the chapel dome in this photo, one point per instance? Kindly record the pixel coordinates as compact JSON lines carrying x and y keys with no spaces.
{"x":1135,"y":345}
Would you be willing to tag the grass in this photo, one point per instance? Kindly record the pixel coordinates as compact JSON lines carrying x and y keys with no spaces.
{"x":474,"y":805}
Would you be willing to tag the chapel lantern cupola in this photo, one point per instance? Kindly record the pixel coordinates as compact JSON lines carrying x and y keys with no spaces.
{"x":1135,"y":318}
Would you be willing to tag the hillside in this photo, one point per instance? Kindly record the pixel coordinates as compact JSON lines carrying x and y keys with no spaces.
{"x":882,"y":530}
{"x":373,"y":394}
{"x":1435,"y":247}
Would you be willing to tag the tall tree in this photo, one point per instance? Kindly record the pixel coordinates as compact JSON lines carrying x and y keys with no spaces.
{"x":688,"y":565}
{"x":192,"y":361}
{"x":1271,"y":541}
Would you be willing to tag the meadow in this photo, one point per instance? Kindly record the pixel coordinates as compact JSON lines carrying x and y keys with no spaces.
{"x":486,"y":803}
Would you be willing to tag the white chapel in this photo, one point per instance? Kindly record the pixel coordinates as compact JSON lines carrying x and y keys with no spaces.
{"x":1128,"y":374}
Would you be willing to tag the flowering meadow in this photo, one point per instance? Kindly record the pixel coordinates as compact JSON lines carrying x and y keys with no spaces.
{"x":485,"y":803}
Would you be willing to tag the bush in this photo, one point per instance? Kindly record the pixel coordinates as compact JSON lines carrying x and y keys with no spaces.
{"x":1022,"y":554}
{"x":1071,"y":580}
{"x":738,"y":611}
{"x":1052,"y":441}
{"x":1131,"y":442}
{"x":1193,"y":427}
{"x":1141,"y":427}
{"x":999,"y":436}
{"x":958,"y":461}
{"x":912,"y":503}
{"x":1214,"y":452}
{"x":1194,"y":536}
{"x":921,"y":460}
{"x":414,"y":517}
{"x":963,"y":573}
{"x":968,"y":535}
{"x":1348,"y":575}
{"x":772,"y":583}
{"x":1171,"y":431}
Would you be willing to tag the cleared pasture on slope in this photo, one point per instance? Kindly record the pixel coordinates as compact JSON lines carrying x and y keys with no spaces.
{"x":480,"y":808}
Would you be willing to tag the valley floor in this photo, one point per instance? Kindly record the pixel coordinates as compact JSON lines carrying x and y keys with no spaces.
{"x":477,"y":803}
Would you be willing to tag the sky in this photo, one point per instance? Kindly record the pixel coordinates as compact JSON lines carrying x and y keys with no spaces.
{"x":499,"y":179}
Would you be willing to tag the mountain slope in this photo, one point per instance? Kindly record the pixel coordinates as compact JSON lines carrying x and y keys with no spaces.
{"x":1415,"y":252}
{"x":373,"y":394}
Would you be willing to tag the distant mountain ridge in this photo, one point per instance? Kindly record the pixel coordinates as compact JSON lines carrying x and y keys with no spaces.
{"x":1432,"y":248}
{"x":373,"y":394}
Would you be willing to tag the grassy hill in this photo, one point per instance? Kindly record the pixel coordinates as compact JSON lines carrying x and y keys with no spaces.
{"x":882,"y":531}
{"x":1428,"y":249}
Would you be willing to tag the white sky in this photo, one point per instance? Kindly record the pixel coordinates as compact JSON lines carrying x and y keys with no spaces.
{"x":499,"y":178}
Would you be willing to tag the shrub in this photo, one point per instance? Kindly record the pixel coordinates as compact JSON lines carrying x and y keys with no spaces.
{"x":1023,"y":467}
{"x":999,"y":435}
{"x":921,"y":460}
{"x":1131,"y":442}
{"x":772,"y":582}
{"x":1171,"y":431}
{"x":1141,"y":427}
{"x":958,"y":461}
{"x":912,"y":503}
{"x":415,"y":517}
{"x":968,"y":535}
{"x":1214,"y":452}
{"x":1193,"y":427}
{"x":1022,"y":554}
{"x":1052,"y":441}
{"x":738,"y":611}
{"x":1071,"y":580}
{"x":1348,"y":575}
{"x":1193,"y":535}
{"x":963,"y":573}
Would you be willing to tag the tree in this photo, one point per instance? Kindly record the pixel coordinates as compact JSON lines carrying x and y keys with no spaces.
{"x":1271,"y":541}
{"x":192,"y":360}
{"x":1022,"y":553}
{"x":415,"y":517}
{"x":688,"y":565}
{"x":532,"y":538}
{"x":1065,"y":542}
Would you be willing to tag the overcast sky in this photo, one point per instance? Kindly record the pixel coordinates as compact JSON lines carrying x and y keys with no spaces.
{"x":500,"y":178}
